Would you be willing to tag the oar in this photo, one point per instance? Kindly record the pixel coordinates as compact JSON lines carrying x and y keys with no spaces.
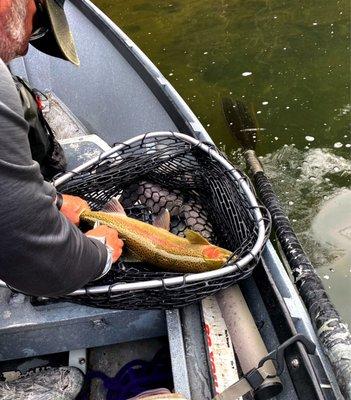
{"x":333,"y":333}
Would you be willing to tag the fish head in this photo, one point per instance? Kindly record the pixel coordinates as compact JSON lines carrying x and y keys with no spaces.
{"x":215,"y":255}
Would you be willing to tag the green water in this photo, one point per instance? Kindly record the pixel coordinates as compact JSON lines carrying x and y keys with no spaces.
{"x":290,"y":61}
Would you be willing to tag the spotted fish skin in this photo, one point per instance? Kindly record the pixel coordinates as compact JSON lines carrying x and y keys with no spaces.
{"x":161,"y":248}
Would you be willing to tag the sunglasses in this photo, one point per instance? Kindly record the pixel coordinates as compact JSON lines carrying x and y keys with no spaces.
{"x":41,"y":23}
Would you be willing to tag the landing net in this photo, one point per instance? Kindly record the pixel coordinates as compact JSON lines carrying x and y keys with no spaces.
{"x":202,"y":191}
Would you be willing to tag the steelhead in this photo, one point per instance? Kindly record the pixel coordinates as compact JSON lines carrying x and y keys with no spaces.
{"x":156,"y":245}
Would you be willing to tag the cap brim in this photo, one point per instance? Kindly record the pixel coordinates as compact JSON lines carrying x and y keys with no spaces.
{"x":58,"y":41}
{"x":61,"y":31}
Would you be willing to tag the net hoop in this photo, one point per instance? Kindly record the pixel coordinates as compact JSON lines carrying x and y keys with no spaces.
{"x":189,"y":278}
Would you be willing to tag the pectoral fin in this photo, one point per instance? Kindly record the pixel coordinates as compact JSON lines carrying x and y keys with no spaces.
{"x":163,"y":220}
{"x":195,"y":238}
{"x":114,"y":206}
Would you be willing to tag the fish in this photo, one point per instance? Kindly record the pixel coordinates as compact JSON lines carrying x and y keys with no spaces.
{"x":184,"y":214}
{"x":155,"y":245}
{"x":153,"y":196}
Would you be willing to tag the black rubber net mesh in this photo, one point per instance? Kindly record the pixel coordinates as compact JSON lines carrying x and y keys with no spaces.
{"x":200,"y":194}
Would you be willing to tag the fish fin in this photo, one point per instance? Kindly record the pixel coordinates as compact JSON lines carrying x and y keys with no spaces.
{"x":114,"y":206}
{"x":163,"y":220}
{"x":195,"y":237}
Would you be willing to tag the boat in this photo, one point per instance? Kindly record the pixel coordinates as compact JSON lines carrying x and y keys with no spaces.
{"x":118,"y":93}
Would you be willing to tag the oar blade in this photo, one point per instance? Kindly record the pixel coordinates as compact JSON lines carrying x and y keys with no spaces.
{"x":240,"y":122}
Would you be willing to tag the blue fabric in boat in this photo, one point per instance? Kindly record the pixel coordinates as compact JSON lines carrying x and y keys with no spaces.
{"x":135,"y":377}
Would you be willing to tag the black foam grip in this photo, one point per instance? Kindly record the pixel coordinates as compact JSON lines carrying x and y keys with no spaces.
{"x":310,"y":286}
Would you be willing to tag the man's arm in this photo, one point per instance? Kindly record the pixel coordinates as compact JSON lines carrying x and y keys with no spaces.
{"x":41,"y":252}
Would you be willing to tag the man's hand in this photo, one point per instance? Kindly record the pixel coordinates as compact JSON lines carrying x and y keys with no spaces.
{"x":111,"y":237}
{"x":72,"y":207}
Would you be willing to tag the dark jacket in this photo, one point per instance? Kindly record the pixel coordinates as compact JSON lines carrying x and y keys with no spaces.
{"x":41,"y":252}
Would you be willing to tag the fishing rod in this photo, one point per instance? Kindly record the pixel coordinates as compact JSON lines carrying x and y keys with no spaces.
{"x":332,"y":332}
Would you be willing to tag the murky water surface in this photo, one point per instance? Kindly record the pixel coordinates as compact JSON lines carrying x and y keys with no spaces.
{"x":290,"y":61}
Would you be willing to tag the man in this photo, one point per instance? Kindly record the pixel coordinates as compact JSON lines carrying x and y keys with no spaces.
{"x":42,"y":251}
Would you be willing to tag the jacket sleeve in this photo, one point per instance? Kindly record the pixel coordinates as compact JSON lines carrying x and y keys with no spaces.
{"x":41,"y":252}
